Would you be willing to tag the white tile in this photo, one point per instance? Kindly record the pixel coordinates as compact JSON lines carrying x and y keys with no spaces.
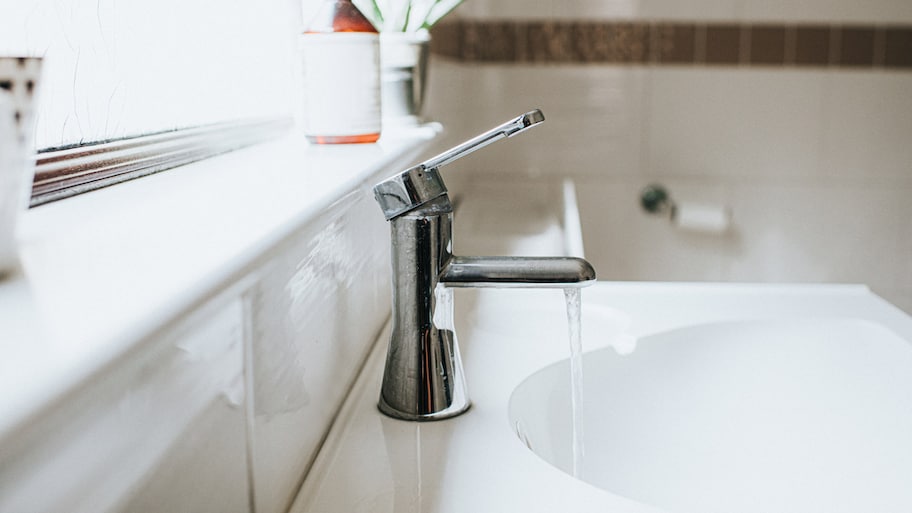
{"x":785,"y":233}
{"x":505,"y":217}
{"x":900,"y":298}
{"x":204,"y":471}
{"x":581,"y":9}
{"x":625,"y":243}
{"x":691,"y":10}
{"x":525,"y":9}
{"x":593,"y":119}
{"x":612,"y":9}
{"x":734,"y":122}
{"x":820,"y":233}
{"x":867,"y":125}
{"x":905,"y":281}
{"x":882,"y":11}
{"x":316,"y":310}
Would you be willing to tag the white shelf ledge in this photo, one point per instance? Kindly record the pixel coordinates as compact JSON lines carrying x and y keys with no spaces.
{"x":103,"y":271}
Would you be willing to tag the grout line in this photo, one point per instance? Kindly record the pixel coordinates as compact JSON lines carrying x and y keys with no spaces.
{"x":744,"y":44}
{"x":835,"y":45}
{"x":249,"y":410}
{"x":880,"y":47}
{"x":791,"y":45}
{"x":699,"y":43}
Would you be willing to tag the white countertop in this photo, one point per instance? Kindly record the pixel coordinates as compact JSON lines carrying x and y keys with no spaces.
{"x":103,"y":271}
{"x":475,"y":462}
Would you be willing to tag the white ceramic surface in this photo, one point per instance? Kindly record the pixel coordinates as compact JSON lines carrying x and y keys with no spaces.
{"x":404,"y":74}
{"x":216,"y":327}
{"x":476,"y":462}
{"x":788,"y":415}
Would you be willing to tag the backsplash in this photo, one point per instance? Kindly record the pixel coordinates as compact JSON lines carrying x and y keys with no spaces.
{"x":676,"y":43}
{"x":793,"y":114}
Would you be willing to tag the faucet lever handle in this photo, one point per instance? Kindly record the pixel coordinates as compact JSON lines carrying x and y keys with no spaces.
{"x":508,"y":129}
{"x":408,"y":190}
{"x":420,"y":184}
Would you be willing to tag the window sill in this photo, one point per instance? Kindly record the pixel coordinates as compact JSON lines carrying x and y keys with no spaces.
{"x":103,"y":271}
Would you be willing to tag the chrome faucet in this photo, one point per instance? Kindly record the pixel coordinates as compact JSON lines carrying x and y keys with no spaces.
{"x":423,"y":379}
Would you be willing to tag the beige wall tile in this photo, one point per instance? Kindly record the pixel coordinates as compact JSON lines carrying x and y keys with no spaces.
{"x":867,"y":126}
{"x":594,"y":119}
{"x":873,"y":11}
{"x":625,"y":243}
{"x":734,"y":123}
{"x":821,"y":233}
{"x":814,"y":164}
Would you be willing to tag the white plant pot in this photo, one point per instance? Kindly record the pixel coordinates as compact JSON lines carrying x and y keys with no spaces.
{"x":403,"y":75}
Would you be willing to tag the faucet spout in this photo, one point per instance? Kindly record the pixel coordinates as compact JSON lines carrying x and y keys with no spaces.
{"x":518,"y":272}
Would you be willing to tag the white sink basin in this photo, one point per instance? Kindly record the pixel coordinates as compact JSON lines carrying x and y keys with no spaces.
{"x":811,"y":415}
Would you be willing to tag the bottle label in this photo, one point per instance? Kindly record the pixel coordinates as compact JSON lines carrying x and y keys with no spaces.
{"x":341,"y":83}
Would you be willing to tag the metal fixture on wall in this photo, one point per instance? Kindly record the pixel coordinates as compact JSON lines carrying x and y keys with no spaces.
{"x":705,"y":218}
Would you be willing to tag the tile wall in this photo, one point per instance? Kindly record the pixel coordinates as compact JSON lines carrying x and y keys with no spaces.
{"x":677,"y":43}
{"x":883,"y":11}
{"x":814,"y":162}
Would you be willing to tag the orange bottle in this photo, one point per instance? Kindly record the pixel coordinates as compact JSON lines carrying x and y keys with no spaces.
{"x":341,"y":51}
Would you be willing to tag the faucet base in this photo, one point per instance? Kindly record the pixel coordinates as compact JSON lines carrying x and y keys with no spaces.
{"x":426,"y":383}
{"x":452,"y":411}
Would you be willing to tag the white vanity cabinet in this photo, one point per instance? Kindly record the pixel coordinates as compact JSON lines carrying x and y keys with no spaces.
{"x":162,"y":429}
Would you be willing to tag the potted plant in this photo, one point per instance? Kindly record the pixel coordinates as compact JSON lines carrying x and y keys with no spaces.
{"x":404,"y":49}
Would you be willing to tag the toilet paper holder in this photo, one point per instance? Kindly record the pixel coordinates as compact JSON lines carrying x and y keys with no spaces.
{"x":656,"y":200}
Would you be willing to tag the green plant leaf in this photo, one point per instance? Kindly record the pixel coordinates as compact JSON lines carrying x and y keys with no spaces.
{"x":395,"y":15}
{"x":371,"y":10}
{"x":419,"y":14}
{"x":405,"y":15}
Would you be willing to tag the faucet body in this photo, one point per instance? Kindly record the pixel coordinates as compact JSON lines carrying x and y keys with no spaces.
{"x":423,"y":378}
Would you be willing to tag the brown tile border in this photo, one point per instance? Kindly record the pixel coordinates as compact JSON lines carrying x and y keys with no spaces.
{"x":767,"y":45}
{"x":856,"y":47}
{"x":812,"y":46}
{"x":669,"y":43}
{"x":898,"y":48}
{"x":723,"y":44}
{"x":674,"y":44}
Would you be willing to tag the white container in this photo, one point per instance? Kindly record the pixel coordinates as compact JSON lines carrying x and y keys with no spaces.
{"x":18,"y":84}
{"x":403,"y":75}
{"x":341,"y":86}
{"x":9,"y":165}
